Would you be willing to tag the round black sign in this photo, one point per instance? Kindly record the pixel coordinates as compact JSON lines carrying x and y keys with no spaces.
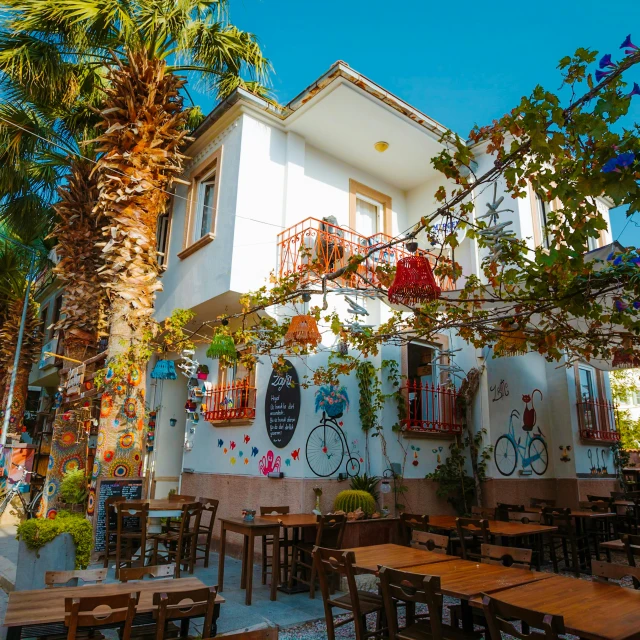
{"x":282,"y":406}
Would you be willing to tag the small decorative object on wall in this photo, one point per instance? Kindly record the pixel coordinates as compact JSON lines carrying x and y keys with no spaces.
{"x":295,"y":454}
{"x":415,"y":462}
{"x":240,"y":454}
{"x":220,"y":443}
{"x":203,"y":371}
{"x":282,"y":405}
{"x":303,"y":331}
{"x":593,"y":469}
{"x":438,"y":451}
{"x":499,"y":391}
{"x":232,"y":460}
{"x":269,"y":463}
{"x":222,"y":348}
{"x":246,"y":439}
{"x":232,"y":445}
{"x":254,"y":452}
{"x":164,"y":370}
{"x":287,"y":462}
{"x":529,"y":414}
{"x":604,"y":469}
{"x":414,"y":282}
{"x":332,"y":400}
{"x":564,"y":456}
{"x":173,"y":422}
{"x":225,"y":451}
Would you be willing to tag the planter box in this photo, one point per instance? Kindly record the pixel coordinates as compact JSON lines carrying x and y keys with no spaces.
{"x":365,"y":533}
{"x":57,"y":555}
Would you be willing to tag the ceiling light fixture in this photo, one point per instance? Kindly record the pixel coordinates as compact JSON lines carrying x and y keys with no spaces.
{"x":381,"y":146}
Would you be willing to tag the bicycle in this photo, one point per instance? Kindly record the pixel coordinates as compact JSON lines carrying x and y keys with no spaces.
{"x":31,"y":507}
{"x":325,"y":449}
{"x":507,"y":449}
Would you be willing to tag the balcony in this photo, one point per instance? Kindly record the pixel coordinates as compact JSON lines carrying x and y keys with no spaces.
{"x":597,"y":420}
{"x":314,"y":247}
{"x":432,"y":410}
{"x":233,"y":401}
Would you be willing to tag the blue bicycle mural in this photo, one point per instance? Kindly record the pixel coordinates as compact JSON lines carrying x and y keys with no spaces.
{"x":533,"y":453}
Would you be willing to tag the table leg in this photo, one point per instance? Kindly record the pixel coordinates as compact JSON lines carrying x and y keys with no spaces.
{"x":467,"y":616}
{"x":275,"y":568}
{"x":223,"y":544}
{"x":249,"y":568}
{"x":214,"y":621}
{"x":286,"y":554}
{"x":14,"y":633}
{"x":184,"y":627}
{"x":243,"y":571}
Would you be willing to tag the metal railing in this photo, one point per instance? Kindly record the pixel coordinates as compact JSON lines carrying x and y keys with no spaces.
{"x":233,"y":401}
{"x":315,"y":247}
{"x":597,"y":420}
{"x":432,"y":409}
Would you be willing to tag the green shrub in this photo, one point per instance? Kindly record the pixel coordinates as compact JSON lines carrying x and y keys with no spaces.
{"x":366,"y":483}
{"x":73,"y":488}
{"x":36,"y":533}
{"x":350,"y":500}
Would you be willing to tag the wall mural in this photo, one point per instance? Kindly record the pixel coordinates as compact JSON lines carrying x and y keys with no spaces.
{"x":499,"y":390}
{"x":533,"y":454}
{"x":270,"y":464}
{"x":564,"y":456}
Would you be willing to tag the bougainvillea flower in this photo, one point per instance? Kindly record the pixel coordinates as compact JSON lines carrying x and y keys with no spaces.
{"x":601,"y":75}
{"x":621,"y":305}
{"x":628,"y":45}
{"x":605,"y":61}
{"x":635,"y":91}
{"x":618,"y":260}
{"x":618,"y":162}
{"x":636,"y":304}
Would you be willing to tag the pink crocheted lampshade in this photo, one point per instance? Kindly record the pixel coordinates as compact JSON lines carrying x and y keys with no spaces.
{"x":414,"y":282}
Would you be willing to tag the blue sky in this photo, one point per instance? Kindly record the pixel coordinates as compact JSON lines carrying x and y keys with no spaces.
{"x":460,"y":62}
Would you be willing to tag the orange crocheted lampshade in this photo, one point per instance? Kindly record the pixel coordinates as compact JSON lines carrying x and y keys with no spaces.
{"x":302,"y":331}
{"x":414,"y":282}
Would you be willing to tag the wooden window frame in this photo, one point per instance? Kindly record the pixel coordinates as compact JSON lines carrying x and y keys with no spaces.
{"x":44,"y":311}
{"x":204,"y":169}
{"x":357,"y":188}
{"x":165,"y":259}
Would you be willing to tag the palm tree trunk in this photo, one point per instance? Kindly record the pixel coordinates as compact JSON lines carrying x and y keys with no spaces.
{"x":145,"y":128}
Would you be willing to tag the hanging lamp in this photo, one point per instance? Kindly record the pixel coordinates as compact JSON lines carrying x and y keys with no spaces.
{"x":624,"y":357}
{"x":164,"y":370}
{"x":513,"y":342}
{"x":303,"y":331}
{"x":414,"y":282}
{"x":222,"y":348}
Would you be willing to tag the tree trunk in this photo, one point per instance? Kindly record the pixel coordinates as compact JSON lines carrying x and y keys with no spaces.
{"x":468,"y":390}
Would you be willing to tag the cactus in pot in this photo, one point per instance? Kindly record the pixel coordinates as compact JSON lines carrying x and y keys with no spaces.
{"x":350,"y":500}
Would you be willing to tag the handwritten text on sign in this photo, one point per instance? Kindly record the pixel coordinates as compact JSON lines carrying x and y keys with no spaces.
{"x":282,"y":406}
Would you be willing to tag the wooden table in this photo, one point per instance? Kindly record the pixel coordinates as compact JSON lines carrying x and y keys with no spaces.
{"x":496,"y":527}
{"x":294,"y":520}
{"x":591,"y":610}
{"x":250,"y":530}
{"x":41,"y":612}
{"x":395,"y":556}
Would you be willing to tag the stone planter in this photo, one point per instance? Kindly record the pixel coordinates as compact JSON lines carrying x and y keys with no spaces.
{"x":57,"y":555}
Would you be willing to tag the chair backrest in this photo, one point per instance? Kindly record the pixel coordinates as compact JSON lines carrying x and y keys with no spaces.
{"x":330,"y":531}
{"x":178,"y":497}
{"x":618,"y":495}
{"x":62,"y":578}
{"x":98,"y":611}
{"x":593,"y":498}
{"x":477,"y":527}
{"x":632,"y":548}
{"x":484,"y":512}
{"x":334,"y":561}
{"x":506,"y":556}
{"x":401,"y":586}
{"x":410,"y":522}
{"x":131,"y":515}
{"x":110,"y":513}
{"x":605,"y":571}
{"x":597,"y":506}
{"x":194,"y":603}
{"x":560,"y":518}
{"x":209,"y":506}
{"x":503,"y":508}
{"x":430,"y":541}
{"x":500,"y":618}
{"x":152,"y":571}
{"x":190,"y":518}
{"x":266,"y":511}
{"x":525,"y":517}
{"x":541,"y":502}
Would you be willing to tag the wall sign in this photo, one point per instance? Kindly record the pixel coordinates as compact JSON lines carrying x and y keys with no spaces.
{"x":282,"y":406}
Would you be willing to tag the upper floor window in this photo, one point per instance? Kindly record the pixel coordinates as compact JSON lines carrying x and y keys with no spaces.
{"x":542,"y":210}
{"x":369,"y":210}
{"x":369,"y":216}
{"x":587,"y":385}
{"x":205,"y":207}
{"x":162,"y":239}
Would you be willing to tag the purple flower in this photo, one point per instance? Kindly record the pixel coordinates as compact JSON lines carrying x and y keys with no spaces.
{"x":628,"y":45}
{"x":621,"y":305}
{"x":618,"y":260}
{"x":636,"y":304}
{"x":611,"y":256}
{"x":618,"y":162}
{"x":635,"y":91}
{"x":601,"y":75}
{"x":605,"y":61}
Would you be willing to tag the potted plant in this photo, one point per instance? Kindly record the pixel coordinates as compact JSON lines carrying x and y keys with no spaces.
{"x":203,"y":372}
{"x":332,"y":400}
{"x":74,"y":491}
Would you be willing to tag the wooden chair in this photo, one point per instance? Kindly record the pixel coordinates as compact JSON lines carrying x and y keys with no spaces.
{"x":267,"y":543}
{"x":593,"y":498}
{"x":565,"y":538}
{"x":410,"y":522}
{"x":539,"y":503}
{"x":173,"y":522}
{"x":331,"y":562}
{"x":430,"y":541}
{"x":329,"y":535}
{"x":506,"y":556}
{"x":605,"y":571}
{"x":181,"y":545}
{"x":469,"y":531}
{"x":529,"y":542}
{"x":110,"y":526}
{"x":401,"y":587}
{"x":116,"y":609}
{"x":178,"y":497}
{"x":151,"y":571}
{"x":503,"y":509}
{"x":526,"y":517}
{"x":631,"y":548}
{"x":184,"y":605}
{"x":62,"y":578}
{"x":210,"y":507}
{"x":131,"y":533}
{"x":500,"y":617}
{"x":488,"y":513}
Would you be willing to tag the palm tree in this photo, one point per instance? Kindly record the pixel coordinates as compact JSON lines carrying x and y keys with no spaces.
{"x":145,"y":43}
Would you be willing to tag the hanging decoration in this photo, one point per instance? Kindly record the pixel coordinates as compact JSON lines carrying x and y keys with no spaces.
{"x":343,"y":348}
{"x":303,"y":331}
{"x":222,"y":348}
{"x":625,"y":357}
{"x":414,"y":282}
{"x":164,"y":370}
{"x":512,"y":342}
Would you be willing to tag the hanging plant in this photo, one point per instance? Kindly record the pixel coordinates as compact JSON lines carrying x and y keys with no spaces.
{"x":222,"y":348}
{"x":303,"y":331}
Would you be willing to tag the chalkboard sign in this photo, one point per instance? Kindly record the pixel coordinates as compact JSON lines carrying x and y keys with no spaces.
{"x":282,"y":406}
{"x":128,"y":488}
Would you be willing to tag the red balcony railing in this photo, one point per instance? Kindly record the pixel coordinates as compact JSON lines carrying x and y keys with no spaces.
{"x":432,"y":409}
{"x":233,"y":401}
{"x":314,"y":247}
{"x":597,"y":420}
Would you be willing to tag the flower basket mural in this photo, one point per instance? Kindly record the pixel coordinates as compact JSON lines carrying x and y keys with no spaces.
{"x":332,"y":400}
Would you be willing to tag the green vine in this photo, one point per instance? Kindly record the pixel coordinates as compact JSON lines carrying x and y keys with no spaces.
{"x":371,"y":397}
{"x":36,"y":533}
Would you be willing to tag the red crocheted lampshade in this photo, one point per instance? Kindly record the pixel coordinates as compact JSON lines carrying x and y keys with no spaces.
{"x":414,"y":282}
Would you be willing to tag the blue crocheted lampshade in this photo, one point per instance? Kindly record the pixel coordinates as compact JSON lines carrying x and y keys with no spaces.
{"x":164,"y":370}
